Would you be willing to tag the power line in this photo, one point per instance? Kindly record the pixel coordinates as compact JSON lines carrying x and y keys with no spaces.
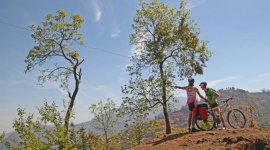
{"x":106,"y":51}
{"x":82,"y":45}
{"x":14,"y":26}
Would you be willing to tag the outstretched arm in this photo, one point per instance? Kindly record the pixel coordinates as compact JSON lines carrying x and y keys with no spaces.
{"x":180,"y":87}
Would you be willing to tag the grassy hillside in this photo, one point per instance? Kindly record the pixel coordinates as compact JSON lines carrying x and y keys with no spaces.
{"x":257,"y":138}
{"x":245,"y":138}
{"x":242,"y":100}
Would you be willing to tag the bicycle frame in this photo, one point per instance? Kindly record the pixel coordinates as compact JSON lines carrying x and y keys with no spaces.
{"x":235,"y":117}
{"x":224,"y":103}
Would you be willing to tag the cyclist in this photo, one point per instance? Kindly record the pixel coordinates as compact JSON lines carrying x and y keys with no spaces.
{"x":192,"y":102}
{"x":212,"y":96}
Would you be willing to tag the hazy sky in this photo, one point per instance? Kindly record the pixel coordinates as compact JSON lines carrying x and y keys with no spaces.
{"x":238,"y":32}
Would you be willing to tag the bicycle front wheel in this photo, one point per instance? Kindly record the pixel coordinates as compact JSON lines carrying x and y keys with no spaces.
{"x":236,"y":119}
{"x":205,"y":125}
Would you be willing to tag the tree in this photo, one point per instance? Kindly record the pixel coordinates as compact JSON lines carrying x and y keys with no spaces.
{"x":166,"y":43}
{"x":105,"y":119}
{"x":54,"y":39}
{"x":37,"y":134}
{"x":263,"y":90}
{"x":137,"y":127}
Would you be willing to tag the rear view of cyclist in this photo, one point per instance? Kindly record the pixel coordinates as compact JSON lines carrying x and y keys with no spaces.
{"x":192,"y":102}
{"x":212,"y":96}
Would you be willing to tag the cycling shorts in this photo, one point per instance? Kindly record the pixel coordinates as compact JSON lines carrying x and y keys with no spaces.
{"x":192,"y":107}
{"x":214,"y":105}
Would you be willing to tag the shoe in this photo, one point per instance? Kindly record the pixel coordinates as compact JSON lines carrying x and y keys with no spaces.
{"x":189,"y":130}
{"x":223,"y":128}
{"x":194,"y":130}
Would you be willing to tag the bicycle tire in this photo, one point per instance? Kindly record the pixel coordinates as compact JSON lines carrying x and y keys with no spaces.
{"x":236,"y":119}
{"x":205,"y":125}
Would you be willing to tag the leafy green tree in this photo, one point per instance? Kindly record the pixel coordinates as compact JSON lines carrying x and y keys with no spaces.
{"x":105,"y":119}
{"x":3,"y":141}
{"x":47,"y":131}
{"x":166,"y":42}
{"x":54,"y":39}
{"x":138,"y":126}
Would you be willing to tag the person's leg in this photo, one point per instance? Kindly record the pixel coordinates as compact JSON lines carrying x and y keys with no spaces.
{"x":217,"y":110}
{"x":215,"y":113}
{"x":221,"y":118}
{"x":189,"y":119}
{"x":223,"y":121}
{"x":194,"y":117}
{"x":190,"y":108}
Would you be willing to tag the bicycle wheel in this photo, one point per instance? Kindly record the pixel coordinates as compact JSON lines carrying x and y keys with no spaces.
{"x":236,"y":119}
{"x":205,"y":125}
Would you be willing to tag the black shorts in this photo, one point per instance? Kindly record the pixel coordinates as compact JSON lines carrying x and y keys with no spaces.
{"x":192,"y":107}
{"x":214,"y":105}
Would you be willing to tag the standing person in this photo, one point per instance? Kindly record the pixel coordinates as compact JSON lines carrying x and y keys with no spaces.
{"x":212,"y":96}
{"x":192,"y":102}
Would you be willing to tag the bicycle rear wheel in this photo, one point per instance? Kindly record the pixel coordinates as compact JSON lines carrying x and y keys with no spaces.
{"x":236,"y":119}
{"x":205,"y":125}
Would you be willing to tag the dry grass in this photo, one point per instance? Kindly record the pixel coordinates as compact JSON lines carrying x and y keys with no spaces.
{"x":246,"y":138}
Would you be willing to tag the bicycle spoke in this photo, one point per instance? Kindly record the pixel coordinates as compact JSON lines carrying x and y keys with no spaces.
{"x":206,"y":125}
{"x":236,"y":119}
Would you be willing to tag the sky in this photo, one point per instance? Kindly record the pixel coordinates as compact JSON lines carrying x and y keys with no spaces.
{"x":238,"y":32}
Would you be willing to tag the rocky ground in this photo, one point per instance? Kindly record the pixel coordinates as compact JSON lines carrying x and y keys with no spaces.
{"x":257,"y":138}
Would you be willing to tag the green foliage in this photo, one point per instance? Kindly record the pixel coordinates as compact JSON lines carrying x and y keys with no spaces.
{"x":105,"y":119}
{"x":37,"y":134}
{"x":53,"y":40}
{"x":167,"y":35}
{"x":180,"y":130}
{"x":138,"y":129}
{"x":4,"y":141}
{"x":205,"y":125}
{"x":2,"y":137}
{"x":138,"y":126}
{"x":167,"y":42}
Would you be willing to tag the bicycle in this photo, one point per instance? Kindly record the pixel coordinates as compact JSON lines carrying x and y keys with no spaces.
{"x":235,"y":117}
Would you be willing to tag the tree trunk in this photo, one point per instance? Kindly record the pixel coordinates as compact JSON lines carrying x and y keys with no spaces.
{"x":73,"y":97}
{"x":164,"y":104}
{"x":167,"y":120}
{"x":106,"y":139}
{"x":70,"y":107}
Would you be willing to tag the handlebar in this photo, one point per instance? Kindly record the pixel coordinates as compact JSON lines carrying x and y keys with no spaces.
{"x":226,"y":101}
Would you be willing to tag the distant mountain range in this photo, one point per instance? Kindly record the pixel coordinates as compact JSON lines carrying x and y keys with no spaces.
{"x":178,"y":111}
{"x":11,"y":136}
{"x":120,"y":126}
{"x":242,"y":100}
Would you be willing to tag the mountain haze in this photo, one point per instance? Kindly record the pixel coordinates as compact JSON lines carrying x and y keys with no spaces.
{"x":179,"y":113}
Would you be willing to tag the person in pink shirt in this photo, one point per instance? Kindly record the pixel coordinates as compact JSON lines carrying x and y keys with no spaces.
{"x":192,"y":91}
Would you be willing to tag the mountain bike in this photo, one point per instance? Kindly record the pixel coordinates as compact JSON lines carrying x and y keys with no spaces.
{"x":235,"y":117}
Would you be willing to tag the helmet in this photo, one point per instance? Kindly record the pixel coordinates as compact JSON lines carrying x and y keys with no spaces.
{"x":203,"y":83}
{"x":191,"y":80}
